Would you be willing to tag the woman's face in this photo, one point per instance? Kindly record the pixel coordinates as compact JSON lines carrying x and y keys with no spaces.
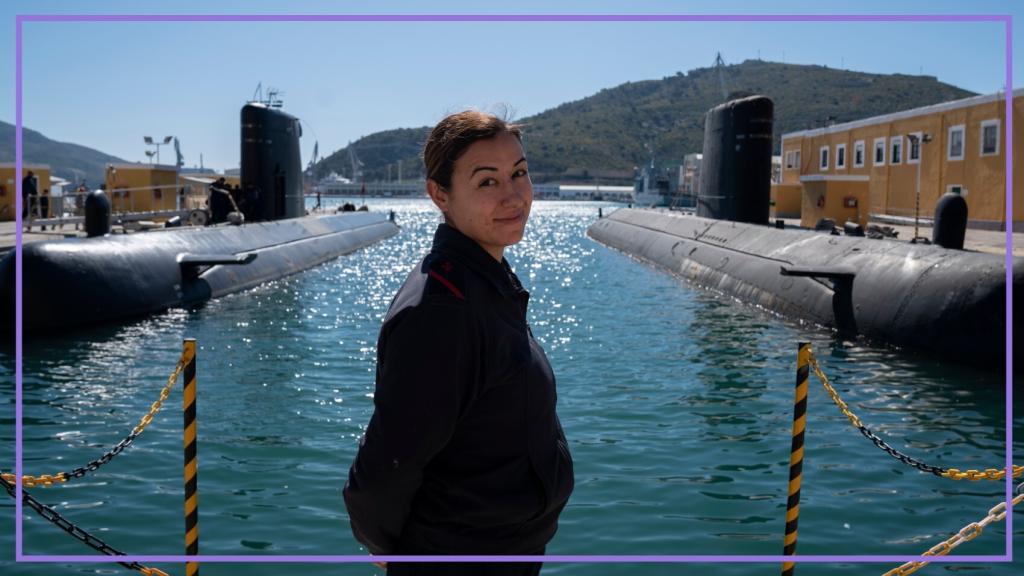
{"x":490,"y":194}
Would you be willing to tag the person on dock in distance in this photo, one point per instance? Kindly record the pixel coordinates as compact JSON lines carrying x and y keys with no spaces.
{"x":464,"y":453}
{"x":29,"y":195}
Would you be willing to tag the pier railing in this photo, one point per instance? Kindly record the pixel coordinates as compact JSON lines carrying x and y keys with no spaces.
{"x":186,"y":366}
{"x":807,"y":362}
{"x":128,"y":204}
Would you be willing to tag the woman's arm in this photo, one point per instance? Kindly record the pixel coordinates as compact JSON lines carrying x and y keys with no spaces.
{"x":424,"y":366}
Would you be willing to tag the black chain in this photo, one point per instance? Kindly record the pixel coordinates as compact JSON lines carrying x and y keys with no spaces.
{"x":95,"y":464}
{"x":52,"y":516}
{"x":899,"y":455}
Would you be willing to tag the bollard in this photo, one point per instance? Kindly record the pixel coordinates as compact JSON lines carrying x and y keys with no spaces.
{"x":796,"y":454}
{"x":191,"y":465}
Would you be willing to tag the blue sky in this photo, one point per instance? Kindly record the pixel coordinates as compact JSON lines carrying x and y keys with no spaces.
{"x":105,"y":85}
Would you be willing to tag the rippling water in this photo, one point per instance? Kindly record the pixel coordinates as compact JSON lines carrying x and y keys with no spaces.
{"x":677,"y":404}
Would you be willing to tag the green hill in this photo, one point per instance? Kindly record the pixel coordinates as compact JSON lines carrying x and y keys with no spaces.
{"x":602,"y":137}
{"x":70,"y":161}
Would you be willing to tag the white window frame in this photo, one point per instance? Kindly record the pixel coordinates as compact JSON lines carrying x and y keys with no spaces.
{"x":863,"y":153}
{"x":840,"y":158}
{"x":796,"y":159}
{"x":823,"y":158}
{"x":981,"y":139}
{"x":879,"y":143}
{"x":949,"y":142}
{"x":790,"y":158}
{"x":910,"y":147}
{"x":896,"y":143}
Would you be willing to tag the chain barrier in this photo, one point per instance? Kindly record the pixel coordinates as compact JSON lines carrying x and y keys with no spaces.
{"x":47,"y":480}
{"x":996,"y":514}
{"x":951,"y":473}
{"x":54,"y":517}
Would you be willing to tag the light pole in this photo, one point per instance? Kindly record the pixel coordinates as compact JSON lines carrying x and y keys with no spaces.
{"x":149,"y":141}
{"x":918,"y":142}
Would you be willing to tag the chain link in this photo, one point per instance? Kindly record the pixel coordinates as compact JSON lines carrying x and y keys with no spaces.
{"x":47,"y":480}
{"x":996,"y":514}
{"x":952,"y":473}
{"x":54,"y":517}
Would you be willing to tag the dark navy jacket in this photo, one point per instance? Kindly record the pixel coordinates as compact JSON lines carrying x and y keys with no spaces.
{"x":464,"y":453}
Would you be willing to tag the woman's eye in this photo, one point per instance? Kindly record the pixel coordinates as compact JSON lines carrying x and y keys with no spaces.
{"x":519,"y":173}
{"x":487,"y":182}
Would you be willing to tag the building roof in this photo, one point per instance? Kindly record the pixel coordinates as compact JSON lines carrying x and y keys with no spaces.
{"x":903,"y":114}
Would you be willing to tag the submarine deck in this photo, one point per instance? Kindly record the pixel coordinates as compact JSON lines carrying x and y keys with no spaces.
{"x":8,"y":233}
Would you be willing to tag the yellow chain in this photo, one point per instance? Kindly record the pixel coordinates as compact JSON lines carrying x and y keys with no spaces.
{"x":47,"y":480}
{"x":967,"y":533}
{"x":952,"y":473}
{"x":986,"y":474}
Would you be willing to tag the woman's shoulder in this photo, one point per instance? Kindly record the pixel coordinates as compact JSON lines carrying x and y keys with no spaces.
{"x":437,"y":282}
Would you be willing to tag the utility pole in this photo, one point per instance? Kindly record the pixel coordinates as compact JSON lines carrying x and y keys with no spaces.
{"x":919,"y":143}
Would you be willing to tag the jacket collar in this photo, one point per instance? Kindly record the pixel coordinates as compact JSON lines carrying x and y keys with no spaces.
{"x":450,"y":241}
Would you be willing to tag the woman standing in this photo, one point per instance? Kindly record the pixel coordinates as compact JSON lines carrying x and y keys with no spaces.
{"x":464,"y":453}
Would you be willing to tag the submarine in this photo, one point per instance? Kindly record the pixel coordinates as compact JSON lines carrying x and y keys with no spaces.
{"x":941,"y":301}
{"x":106,"y":277}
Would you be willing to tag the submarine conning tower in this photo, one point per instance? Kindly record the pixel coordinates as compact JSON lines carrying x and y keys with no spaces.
{"x":735,"y":180}
{"x":271,"y":164}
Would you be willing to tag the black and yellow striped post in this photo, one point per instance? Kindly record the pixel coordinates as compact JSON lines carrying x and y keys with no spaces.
{"x":796,"y":454}
{"x":191,"y":465}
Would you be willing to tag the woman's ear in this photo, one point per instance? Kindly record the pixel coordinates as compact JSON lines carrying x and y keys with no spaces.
{"x":438,"y":195}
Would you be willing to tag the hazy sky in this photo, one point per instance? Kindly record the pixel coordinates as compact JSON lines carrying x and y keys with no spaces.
{"x":105,"y":85}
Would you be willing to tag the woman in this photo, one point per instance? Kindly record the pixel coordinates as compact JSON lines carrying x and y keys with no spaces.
{"x":464,"y":453}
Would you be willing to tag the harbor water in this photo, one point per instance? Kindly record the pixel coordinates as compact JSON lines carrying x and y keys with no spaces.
{"x":677,"y":404}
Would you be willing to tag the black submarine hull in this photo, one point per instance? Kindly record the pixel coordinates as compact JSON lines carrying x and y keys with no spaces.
{"x":82,"y":281}
{"x":948,"y":302}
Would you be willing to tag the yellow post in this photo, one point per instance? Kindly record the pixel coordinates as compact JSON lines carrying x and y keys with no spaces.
{"x":796,"y":454}
{"x":191,"y":466}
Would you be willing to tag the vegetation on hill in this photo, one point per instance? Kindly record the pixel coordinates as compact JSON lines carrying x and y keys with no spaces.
{"x":70,"y":161}
{"x":602,"y":137}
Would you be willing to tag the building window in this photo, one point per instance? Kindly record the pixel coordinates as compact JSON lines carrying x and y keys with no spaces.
{"x":990,"y":137}
{"x":879,"y":152}
{"x":914,"y":153}
{"x":896,"y":157}
{"x":840,"y":156}
{"x":858,"y":154}
{"x":823,"y":163}
{"x":796,"y":159}
{"x":955,"y":151}
{"x":791,"y":159}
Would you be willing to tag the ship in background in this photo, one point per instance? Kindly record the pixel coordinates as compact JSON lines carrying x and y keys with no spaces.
{"x":673,"y":187}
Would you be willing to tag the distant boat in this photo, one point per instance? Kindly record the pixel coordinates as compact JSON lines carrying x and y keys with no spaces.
{"x":651,"y":187}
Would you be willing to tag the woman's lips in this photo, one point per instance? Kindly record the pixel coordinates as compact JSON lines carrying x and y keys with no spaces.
{"x":513,"y":219}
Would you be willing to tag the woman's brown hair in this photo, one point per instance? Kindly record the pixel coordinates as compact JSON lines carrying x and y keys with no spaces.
{"x":451,"y":137}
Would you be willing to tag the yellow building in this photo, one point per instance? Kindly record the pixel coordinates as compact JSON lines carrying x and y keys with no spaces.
{"x":142,"y":187}
{"x":872,"y":168}
{"x":9,"y":187}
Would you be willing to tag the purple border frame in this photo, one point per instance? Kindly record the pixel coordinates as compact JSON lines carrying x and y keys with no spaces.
{"x":1006,"y":19}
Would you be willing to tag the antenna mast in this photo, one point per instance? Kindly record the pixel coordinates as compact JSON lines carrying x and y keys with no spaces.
{"x":720,"y":66}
